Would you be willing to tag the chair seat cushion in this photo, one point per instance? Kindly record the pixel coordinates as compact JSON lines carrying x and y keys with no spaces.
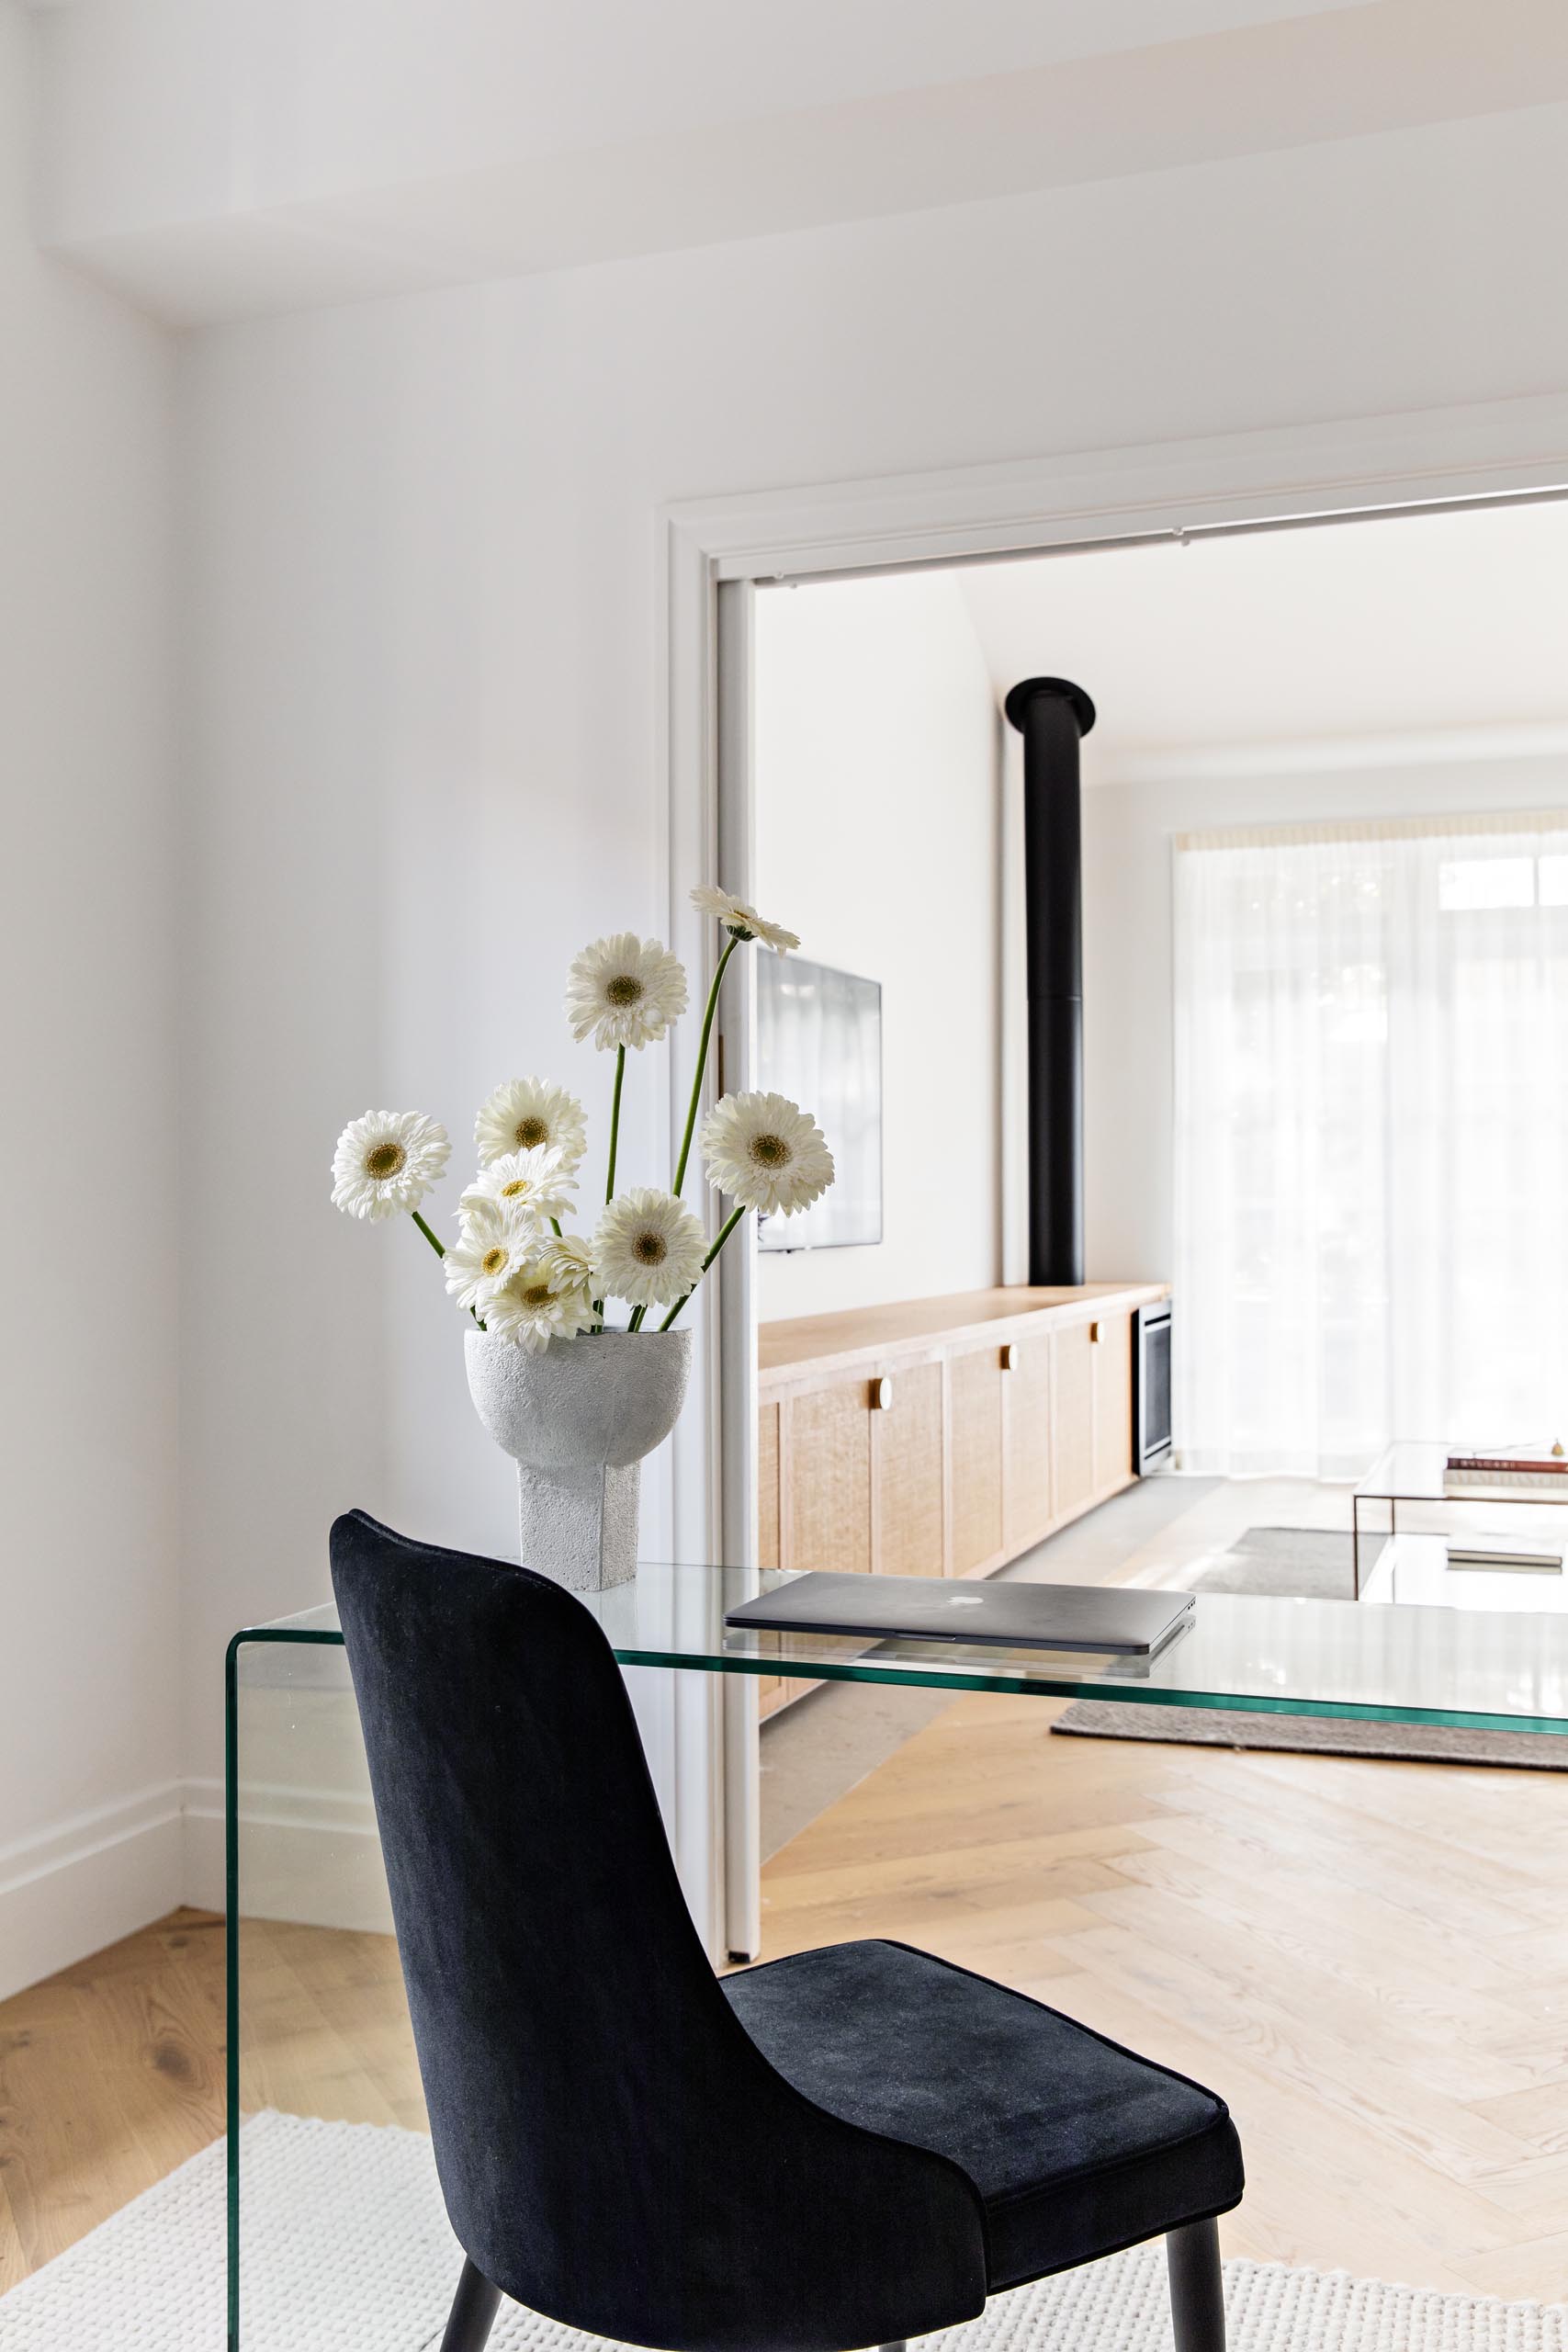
{"x":1075,"y":2146}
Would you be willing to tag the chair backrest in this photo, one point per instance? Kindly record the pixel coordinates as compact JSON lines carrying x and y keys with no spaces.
{"x":613,"y":2149}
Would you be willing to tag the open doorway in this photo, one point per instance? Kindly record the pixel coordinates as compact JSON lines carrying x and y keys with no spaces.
{"x":1323,"y":808}
{"x":1324,"y":864}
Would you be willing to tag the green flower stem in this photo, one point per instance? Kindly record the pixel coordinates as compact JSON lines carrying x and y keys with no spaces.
{"x":702,"y":1065}
{"x":615,"y":1121}
{"x":598,"y":1303}
{"x":440,"y":1250}
{"x":725,"y":1231}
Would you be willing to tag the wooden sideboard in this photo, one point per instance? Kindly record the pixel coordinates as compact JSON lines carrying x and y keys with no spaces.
{"x":941,"y":1436}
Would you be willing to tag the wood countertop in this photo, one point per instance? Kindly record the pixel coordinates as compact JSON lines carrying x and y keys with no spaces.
{"x":872,"y":1335}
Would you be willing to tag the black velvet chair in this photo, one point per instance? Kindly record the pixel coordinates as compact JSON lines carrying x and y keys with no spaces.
{"x":847,"y":2148}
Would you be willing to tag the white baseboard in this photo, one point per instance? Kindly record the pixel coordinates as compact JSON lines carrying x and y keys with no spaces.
{"x":202,"y":1878}
{"x":70,"y":1890}
{"x":306,"y":1855}
{"x":309,"y":1855}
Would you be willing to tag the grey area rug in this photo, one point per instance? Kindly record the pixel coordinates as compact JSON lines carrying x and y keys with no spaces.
{"x":346,"y":2248}
{"x":1527,"y":1751}
{"x":1314,"y":1563}
{"x":1306,"y":1563}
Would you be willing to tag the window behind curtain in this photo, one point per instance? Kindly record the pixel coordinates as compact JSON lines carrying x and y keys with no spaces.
{"x":1372,"y":1141}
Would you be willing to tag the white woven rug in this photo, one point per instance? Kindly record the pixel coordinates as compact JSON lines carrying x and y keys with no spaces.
{"x":347,"y":2250}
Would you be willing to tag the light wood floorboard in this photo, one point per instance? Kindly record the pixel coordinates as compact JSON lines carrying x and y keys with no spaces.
{"x":1346,"y":1950}
{"x":1369,"y":1961}
{"x":1385,"y":2013}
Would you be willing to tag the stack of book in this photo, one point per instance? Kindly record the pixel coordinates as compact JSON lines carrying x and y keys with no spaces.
{"x":1512,"y":1466}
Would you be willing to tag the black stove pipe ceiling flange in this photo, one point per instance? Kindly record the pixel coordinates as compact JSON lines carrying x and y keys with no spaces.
{"x":1053,"y":716}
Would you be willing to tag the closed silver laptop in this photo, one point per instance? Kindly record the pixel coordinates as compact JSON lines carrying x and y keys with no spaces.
{"x":1109,"y":1619}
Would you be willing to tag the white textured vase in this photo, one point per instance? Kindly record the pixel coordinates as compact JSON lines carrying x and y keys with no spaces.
{"x":577,"y":1420}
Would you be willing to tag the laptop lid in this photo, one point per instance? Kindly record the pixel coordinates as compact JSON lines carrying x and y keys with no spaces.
{"x":950,"y":1609}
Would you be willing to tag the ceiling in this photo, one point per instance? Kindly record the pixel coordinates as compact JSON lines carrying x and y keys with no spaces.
{"x":219,"y":157}
{"x":1366,"y":635}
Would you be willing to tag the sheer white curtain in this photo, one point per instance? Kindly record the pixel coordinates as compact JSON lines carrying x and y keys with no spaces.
{"x":1372,"y":1141}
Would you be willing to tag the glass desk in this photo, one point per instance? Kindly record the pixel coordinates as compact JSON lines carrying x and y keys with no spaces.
{"x":1406,"y":1518}
{"x":302,"y":1857}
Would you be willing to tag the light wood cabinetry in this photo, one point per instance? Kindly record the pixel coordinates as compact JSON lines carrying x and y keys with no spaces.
{"x":1112,"y":1400}
{"x":1072,"y":1420}
{"x":976,"y":1376}
{"x":770,"y":1687}
{"x":942,"y":1436}
{"x":769,"y":1546}
{"x":829,"y":1477}
{"x":1026,"y":1469}
{"x":909,"y":1486}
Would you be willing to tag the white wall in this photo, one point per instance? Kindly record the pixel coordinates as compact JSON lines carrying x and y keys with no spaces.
{"x":424,"y":627}
{"x":89,"y":1653}
{"x":1128,"y":1019}
{"x":877,"y":775}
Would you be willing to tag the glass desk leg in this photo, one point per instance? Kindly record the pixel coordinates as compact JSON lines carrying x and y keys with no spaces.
{"x":318,"y":2031}
{"x":1366,"y":1556}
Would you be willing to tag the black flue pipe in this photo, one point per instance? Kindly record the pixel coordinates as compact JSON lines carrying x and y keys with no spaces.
{"x":1053,"y":716}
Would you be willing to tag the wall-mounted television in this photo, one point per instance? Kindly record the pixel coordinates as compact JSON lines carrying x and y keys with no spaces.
{"x":819,"y":1041}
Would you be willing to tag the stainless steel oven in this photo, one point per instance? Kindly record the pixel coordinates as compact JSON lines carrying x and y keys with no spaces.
{"x":1151,"y":1387}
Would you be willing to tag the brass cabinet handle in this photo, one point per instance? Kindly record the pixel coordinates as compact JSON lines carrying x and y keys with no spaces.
{"x":1009,"y":1356}
{"x":882,"y":1395}
{"x":1094,"y":1335}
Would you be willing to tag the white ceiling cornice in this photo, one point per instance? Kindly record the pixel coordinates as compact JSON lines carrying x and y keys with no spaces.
{"x":271,"y":154}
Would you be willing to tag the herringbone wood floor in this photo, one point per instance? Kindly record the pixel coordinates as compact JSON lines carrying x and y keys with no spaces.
{"x":1368,"y":1960}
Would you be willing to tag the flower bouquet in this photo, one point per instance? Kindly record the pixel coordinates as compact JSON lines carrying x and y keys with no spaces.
{"x":576,"y":1397}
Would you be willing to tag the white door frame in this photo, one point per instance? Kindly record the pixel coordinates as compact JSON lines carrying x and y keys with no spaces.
{"x":1347,"y":469}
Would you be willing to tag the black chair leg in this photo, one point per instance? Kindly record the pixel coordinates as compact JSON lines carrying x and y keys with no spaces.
{"x":1197,"y":2290}
{"x":474,"y":2307}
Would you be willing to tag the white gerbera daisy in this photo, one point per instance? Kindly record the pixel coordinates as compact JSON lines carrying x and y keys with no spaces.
{"x":492,"y":1242}
{"x":647,"y":1248}
{"x":624,"y":991}
{"x":566,"y":1260}
{"x":741,"y":920}
{"x":386,"y":1162}
{"x":530,"y":1309}
{"x":534,"y":1182}
{"x":764,"y":1151}
{"x":527,"y":1113}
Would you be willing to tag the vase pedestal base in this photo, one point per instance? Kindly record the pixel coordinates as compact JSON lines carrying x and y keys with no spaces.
{"x":579,"y":1527}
